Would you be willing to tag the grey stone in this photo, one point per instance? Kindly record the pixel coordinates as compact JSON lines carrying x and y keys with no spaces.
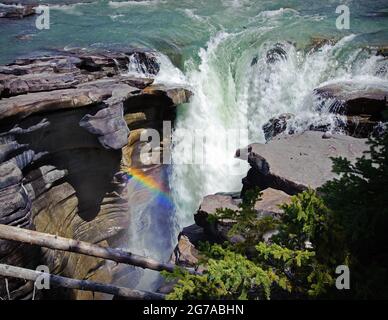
{"x":295,"y":163}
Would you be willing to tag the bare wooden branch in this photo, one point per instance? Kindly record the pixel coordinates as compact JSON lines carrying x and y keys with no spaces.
{"x":64,"y":244}
{"x":85,"y":285}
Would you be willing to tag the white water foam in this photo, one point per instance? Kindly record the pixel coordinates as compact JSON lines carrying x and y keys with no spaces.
{"x":71,"y":9}
{"x":234,"y":92}
{"x":122,"y":4}
{"x":168,"y":74}
{"x":212,"y":111}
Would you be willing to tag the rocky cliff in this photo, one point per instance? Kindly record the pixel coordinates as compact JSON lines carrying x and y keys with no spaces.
{"x":70,"y":127}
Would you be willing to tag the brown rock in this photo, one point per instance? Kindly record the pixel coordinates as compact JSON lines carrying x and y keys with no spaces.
{"x":271,"y":200}
{"x":185,"y":253}
{"x":132,"y":118}
{"x":382,"y":51}
{"x":177,"y":95}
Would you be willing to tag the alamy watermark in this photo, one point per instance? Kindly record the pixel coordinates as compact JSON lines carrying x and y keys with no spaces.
{"x":343,"y":280}
{"x":42,"y":282}
{"x":42,"y":22}
{"x":194,"y":146}
{"x":343,"y":20}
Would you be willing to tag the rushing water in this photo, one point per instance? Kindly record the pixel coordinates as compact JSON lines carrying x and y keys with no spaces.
{"x":220,"y":47}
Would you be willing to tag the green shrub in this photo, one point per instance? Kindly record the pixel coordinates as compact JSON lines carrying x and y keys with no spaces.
{"x":228,"y":275}
{"x":359,"y":202}
{"x":231,"y":274}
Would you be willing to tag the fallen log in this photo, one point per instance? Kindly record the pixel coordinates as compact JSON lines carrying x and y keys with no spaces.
{"x":85,"y":285}
{"x":64,"y":244}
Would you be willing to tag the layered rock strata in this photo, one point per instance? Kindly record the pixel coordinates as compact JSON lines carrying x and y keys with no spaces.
{"x":70,"y":128}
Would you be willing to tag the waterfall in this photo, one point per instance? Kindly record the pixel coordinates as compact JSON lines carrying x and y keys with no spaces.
{"x":240,"y":80}
{"x":153,"y":227}
{"x":243,"y":80}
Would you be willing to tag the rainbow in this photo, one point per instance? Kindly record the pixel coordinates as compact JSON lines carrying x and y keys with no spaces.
{"x":150,"y":184}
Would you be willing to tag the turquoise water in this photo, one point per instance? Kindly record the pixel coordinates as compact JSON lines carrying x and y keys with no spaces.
{"x":214,"y":43}
{"x":180,"y":27}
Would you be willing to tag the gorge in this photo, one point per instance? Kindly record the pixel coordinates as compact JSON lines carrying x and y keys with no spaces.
{"x":75,"y":99}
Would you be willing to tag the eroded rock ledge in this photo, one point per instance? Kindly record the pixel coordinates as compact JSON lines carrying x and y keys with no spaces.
{"x":69,"y":125}
{"x":293,"y":163}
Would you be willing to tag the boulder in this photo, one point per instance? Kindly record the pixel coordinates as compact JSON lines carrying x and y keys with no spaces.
{"x":217,"y":231}
{"x":268,"y":205}
{"x":294,"y":163}
{"x":211,"y":203}
{"x":276,"y":125}
{"x":146,"y":62}
{"x":361,"y":109}
{"x":271,"y":200}
{"x":109,"y":125}
{"x":185,"y":253}
{"x":361,"y":126}
{"x":355,"y":126}
{"x":383,"y":51}
{"x":276,"y":53}
{"x":355,"y":98}
{"x":178,"y":95}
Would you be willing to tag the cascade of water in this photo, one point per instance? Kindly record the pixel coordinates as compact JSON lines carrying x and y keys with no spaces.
{"x":242,"y":81}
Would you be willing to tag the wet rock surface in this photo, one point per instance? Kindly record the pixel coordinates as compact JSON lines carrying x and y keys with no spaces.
{"x":16,"y":9}
{"x":356,"y":98}
{"x":318,"y":42}
{"x":276,"y":54}
{"x":360,"y":110}
{"x":276,"y":125}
